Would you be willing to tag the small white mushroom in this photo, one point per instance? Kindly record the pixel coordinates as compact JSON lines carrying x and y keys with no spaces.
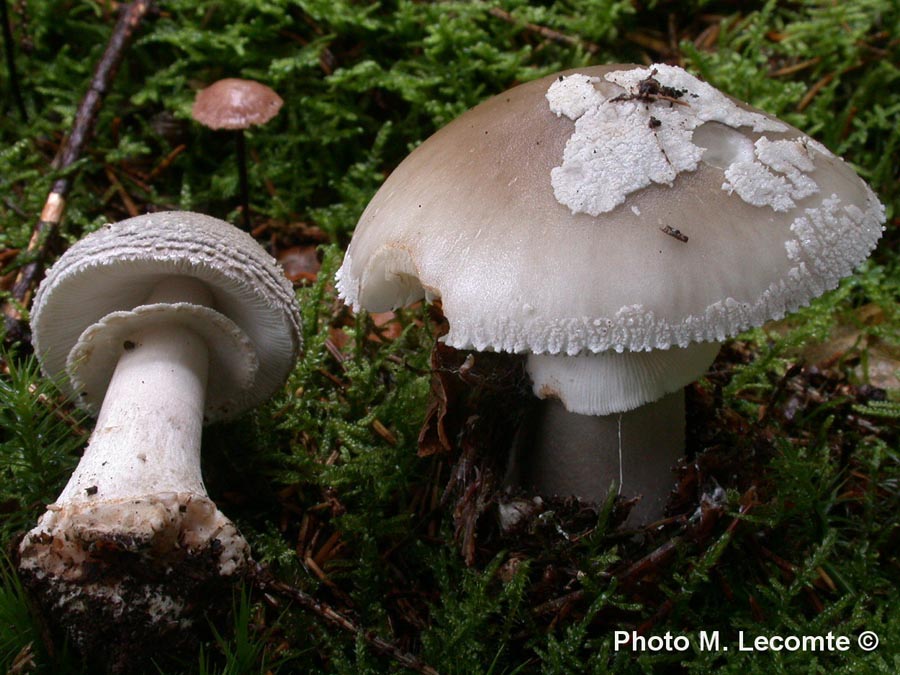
{"x":161,"y":323}
{"x":615,"y":223}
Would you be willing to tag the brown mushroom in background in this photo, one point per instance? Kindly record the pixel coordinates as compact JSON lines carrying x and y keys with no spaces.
{"x":237,"y":104}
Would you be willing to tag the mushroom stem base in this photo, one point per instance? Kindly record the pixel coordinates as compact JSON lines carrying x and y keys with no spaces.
{"x":127,"y":593}
{"x":585,"y":455}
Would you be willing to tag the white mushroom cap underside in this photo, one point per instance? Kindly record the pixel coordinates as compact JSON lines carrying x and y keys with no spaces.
{"x":471,"y":216}
{"x":116,"y":268}
{"x":233,"y":362}
{"x":610,"y":382}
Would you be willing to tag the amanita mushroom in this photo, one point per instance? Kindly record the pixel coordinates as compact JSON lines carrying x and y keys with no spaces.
{"x":615,"y":223}
{"x":237,"y":104}
{"x":161,"y":323}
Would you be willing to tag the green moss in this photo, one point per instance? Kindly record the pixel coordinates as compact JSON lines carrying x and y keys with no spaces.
{"x":38,"y":437}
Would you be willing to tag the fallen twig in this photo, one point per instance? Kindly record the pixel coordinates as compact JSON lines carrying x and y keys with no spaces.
{"x":10,"y":53}
{"x":544,"y":32}
{"x":265,"y":582}
{"x":166,"y":161}
{"x":71,"y":150}
{"x":130,"y":206}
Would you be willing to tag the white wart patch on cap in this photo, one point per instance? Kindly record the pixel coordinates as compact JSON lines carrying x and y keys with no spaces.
{"x":778,"y":174}
{"x":641,"y":135}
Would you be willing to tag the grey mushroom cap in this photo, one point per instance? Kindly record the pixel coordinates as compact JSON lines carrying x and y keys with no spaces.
{"x":545,"y":218}
{"x":102,"y":282}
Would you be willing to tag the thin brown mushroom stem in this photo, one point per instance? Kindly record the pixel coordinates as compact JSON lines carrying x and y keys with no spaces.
{"x":242,"y":177}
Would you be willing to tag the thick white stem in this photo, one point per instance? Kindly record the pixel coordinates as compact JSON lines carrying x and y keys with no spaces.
{"x":147,"y":437}
{"x":633,"y":453}
{"x":610,"y":420}
{"x":138,"y":487}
